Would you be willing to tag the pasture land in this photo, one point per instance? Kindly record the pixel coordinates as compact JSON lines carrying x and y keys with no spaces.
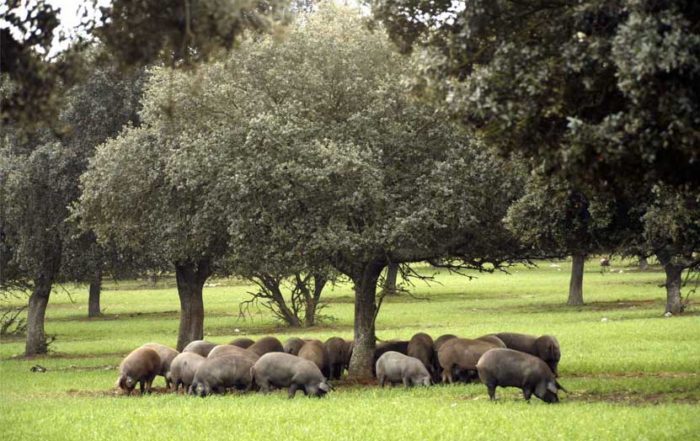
{"x":632,"y":373}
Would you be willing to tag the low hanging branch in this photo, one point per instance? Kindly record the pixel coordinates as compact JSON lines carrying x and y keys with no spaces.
{"x":299,"y":309}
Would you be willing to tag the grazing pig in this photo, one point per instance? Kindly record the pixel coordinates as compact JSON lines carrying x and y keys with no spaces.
{"x":140,"y":366}
{"x":339,"y":352}
{"x":421,"y":347}
{"x":313,"y":350}
{"x":217,"y":374}
{"x":201,"y":347}
{"x":436,"y":347}
{"x":222,"y":350}
{"x":286,"y":370}
{"x":546,"y":347}
{"x":511,"y":368}
{"x":395,"y":367}
{"x":183,"y":368}
{"x":458,"y":358}
{"x":391,"y":345}
{"x":242,"y":342}
{"x":166,"y":354}
{"x":293,"y":345}
{"x":265,"y":345}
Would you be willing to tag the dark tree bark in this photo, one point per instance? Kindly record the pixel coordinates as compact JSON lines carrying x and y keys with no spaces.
{"x":392,"y":272}
{"x":576,"y":282}
{"x":673,"y":282}
{"x":36,"y":337}
{"x":365,"y":316}
{"x":312,"y":300}
{"x":94,"y":297}
{"x":191,"y":277}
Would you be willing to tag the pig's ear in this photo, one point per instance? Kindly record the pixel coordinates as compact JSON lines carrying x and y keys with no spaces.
{"x":552,"y":387}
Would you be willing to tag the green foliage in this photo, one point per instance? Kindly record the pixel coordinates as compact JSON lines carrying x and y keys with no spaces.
{"x":603,"y":93}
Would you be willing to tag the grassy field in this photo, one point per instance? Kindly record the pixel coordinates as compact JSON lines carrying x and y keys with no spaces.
{"x":632,"y":373}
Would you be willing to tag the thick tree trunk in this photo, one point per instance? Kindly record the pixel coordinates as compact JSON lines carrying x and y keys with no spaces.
{"x":392,"y":272}
{"x":36,"y":337}
{"x":94,"y":297}
{"x":190,"y":281}
{"x":673,"y":282}
{"x":365,"y":315}
{"x":576,"y":282}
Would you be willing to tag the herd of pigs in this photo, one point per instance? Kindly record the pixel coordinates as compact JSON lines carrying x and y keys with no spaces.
{"x":203,"y":368}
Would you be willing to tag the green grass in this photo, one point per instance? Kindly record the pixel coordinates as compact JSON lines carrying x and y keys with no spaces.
{"x":634,"y":375}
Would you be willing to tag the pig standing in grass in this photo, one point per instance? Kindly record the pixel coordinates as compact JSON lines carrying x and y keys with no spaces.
{"x":510,"y":368}
{"x":167,"y":355}
{"x":313,"y":350}
{"x":339,"y":352}
{"x":217,"y":374}
{"x":546,"y":347}
{"x":140,"y":366}
{"x":285,"y":370}
{"x":201,"y":347}
{"x":458,"y":358}
{"x":394,"y":367}
{"x":421,"y":347}
{"x":183,"y":368}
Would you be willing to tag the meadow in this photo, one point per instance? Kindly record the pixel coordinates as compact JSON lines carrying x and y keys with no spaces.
{"x":632,"y":373}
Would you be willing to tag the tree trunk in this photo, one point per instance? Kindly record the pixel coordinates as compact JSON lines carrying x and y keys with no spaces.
{"x":673,"y":282}
{"x":365,"y":315}
{"x":36,"y":337}
{"x":94,"y":298}
{"x":643,"y":264}
{"x":312,"y":300}
{"x":576,"y":282}
{"x":392,"y":272}
{"x":190,"y":281}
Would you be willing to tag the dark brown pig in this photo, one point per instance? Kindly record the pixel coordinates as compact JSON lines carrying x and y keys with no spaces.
{"x":242,"y":342}
{"x":275,"y":370}
{"x":458,"y":358}
{"x":546,"y":347}
{"x":293,"y":345}
{"x":394,"y":367}
{"x":313,"y":350}
{"x":183,"y":368}
{"x":421,"y":347}
{"x":201,"y":347}
{"x":265,"y":345}
{"x":217,"y":374}
{"x":166,"y":354}
{"x":140,"y":366}
{"x":436,"y":346}
{"x":339,"y":352}
{"x":511,"y":368}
